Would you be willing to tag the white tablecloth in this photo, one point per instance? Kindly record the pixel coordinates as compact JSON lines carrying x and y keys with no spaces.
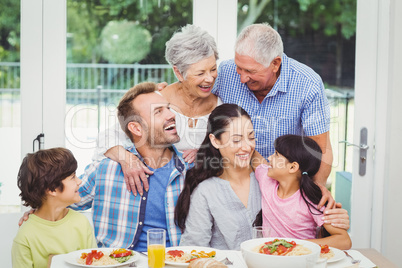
{"x":235,"y":257}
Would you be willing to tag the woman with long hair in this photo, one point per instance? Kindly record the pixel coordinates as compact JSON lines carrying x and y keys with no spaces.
{"x":221,"y":196}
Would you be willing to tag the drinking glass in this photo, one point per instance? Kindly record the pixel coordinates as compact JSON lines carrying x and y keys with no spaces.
{"x":316,"y":263}
{"x":156,"y":241}
{"x":261,"y":231}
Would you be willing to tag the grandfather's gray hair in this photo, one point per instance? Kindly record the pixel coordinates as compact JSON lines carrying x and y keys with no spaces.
{"x":260,"y":42}
{"x":189,"y":45}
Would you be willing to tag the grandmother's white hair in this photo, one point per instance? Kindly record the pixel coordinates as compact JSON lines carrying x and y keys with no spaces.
{"x":260,"y":42}
{"x":189,"y":45}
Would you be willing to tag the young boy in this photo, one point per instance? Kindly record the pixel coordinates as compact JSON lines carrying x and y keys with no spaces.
{"x":48,"y":184}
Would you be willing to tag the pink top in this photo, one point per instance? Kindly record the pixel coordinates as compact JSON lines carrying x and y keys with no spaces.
{"x":288,"y":217}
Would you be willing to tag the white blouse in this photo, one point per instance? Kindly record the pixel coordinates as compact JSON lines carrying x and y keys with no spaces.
{"x":191,"y":137}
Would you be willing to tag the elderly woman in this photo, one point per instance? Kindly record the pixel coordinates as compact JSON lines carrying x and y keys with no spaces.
{"x":192,"y":52}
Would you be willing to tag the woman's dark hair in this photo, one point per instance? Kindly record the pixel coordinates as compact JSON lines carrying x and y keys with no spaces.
{"x":208,"y":161}
{"x":43,"y":171}
{"x":307,"y":153}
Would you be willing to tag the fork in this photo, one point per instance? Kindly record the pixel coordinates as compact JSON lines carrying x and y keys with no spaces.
{"x":226,"y":261}
{"x":352,"y":259}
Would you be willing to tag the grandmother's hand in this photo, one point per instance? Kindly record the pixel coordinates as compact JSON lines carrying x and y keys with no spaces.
{"x":135,"y":172}
{"x":161,"y":86}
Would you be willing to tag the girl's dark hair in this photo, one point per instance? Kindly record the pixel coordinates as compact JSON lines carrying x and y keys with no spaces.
{"x":307,"y":153}
{"x":43,"y":171}
{"x":208,"y":161}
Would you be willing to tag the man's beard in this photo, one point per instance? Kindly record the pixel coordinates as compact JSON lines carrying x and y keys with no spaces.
{"x":159,"y":139}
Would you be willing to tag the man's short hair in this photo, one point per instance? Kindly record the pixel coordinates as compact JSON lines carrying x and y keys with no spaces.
{"x":43,"y":171}
{"x":126,"y":111}
{"x":261,"y":42}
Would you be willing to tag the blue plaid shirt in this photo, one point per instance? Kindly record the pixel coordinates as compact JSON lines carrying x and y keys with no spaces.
{"x":118,"y":215}
{"x":297,"y":103}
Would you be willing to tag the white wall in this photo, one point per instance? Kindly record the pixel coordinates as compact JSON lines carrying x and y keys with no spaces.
{"x":8,"y":230}
{"x":219,"y":18}
{"x":392,"y":216}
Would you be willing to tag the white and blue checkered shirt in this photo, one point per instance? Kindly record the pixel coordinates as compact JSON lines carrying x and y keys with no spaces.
{"x":297,"y":103}
{"x":118,"y":215}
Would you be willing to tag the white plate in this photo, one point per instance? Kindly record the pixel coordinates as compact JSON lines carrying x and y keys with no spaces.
{"x":339,"y":255}
{"x":218,"y":256}
{"x":72,"y":257}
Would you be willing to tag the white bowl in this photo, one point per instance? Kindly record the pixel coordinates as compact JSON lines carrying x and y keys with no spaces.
{"x":258,"y":260}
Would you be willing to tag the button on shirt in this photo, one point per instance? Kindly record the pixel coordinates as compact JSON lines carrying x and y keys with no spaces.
{"x":118,"y":215}
{"x":296,"y":104}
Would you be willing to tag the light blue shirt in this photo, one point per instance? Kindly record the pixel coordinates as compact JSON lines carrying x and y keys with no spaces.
{"x":155,"y":216}
{"x":296,"y":104}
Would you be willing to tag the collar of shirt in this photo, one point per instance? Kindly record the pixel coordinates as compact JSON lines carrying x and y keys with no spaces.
{"x":281,"y":83}
{"x":179,"y":162}
{"x":172,"y":193}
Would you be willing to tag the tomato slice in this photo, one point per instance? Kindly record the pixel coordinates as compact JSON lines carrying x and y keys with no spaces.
{"x":175,"y":253}
{"x":324,"y":248}
{"x":121,"y":252}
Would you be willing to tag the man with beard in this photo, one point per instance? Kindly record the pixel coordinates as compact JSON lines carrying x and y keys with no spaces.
{"x":120,"y":218}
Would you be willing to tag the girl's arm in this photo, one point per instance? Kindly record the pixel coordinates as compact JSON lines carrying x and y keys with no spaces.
{"x":338,"y":238}
{"x":257,"y":160}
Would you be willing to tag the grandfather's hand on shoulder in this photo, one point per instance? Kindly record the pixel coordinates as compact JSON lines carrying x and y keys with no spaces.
{"x":337,"y":217}
{"x":326,"y":197}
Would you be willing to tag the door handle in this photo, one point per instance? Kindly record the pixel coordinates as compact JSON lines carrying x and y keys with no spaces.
{"x":40,"y":139}
{"x":363,"y":147}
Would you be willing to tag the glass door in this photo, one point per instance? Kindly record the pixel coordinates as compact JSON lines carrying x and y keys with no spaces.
{"x":10,"y":106}
{"x":323,"y":37}
{"x":111,"y":46}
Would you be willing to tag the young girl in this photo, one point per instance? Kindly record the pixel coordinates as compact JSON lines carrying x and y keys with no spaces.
{"x":290,"y":196}
{"x":221,"y":196}
{"x":48,"y":184}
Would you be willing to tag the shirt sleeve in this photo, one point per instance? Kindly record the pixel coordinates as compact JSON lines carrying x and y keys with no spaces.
{"x":318,"y":218}
{"x":110,"y":138}
{"x":199,"y":222}
{"x":21,"y":255}
{"x":315,"y":116}
{"x":215,"y":89}
{"x":87,"y":187}
{"x":261,"y":173}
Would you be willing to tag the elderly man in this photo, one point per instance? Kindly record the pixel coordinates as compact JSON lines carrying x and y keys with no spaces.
{"x":121,"y":219}
{"x":282,"y":95}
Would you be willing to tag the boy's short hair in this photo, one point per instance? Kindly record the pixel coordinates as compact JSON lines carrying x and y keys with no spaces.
{"x":43,"y":171}
{"x":126,"y":112}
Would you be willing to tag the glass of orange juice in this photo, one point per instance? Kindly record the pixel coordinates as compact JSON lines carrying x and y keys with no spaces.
{"x":156,"y":240}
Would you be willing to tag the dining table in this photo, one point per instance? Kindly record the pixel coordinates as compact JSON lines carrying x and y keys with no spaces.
{"x":369,"y":258}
